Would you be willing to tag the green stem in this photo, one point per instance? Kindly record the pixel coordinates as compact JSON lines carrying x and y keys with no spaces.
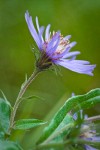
{"x":18,"y":100}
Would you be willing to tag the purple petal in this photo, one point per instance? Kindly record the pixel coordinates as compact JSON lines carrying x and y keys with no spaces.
{"x":73,"y":94}
{"x":53,"y":49}
{"x":81,"y":62}
{"x":68,"y":47}
{"x":70,"y":54}
{"x":32,"y":29}
{"x":65,"y":52}
{"x":47,"y":34}
{"x":37,"y":24}
{"x":72,"y":44}
{"x":87,"y":147}
{"x":96,"y":138}
{"x":75,"y":116}
{"x":76,"y":66}
{"x":53,"y":41}
{"x":67,"y":37}
{"x":40,"y":31}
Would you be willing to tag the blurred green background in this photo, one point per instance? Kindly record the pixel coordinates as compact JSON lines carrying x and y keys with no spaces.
{"x":79,"y":18}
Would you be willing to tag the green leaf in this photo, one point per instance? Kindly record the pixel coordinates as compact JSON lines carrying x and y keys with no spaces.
{"x":9,"y":145}
{"x":4,"y":115}
{"x":81,"y":101}
{"x":88,"y":103}
{"x":32,"y":97}
{"x":28,"y":123}
{"x":4,"y":97}
{"x":62,"y":130}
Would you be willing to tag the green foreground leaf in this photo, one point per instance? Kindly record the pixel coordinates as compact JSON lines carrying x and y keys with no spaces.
{"x":8,"y":145}
{"x":72,"y":104}
{"x":4,"y":115}
{"x":28,"y":123}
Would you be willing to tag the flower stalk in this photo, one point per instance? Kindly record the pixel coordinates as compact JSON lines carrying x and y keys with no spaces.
{"x":19,"y":97}
{"x":94,"y":118}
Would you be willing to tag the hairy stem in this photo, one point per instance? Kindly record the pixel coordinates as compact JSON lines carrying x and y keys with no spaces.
{"x":18,"y":100}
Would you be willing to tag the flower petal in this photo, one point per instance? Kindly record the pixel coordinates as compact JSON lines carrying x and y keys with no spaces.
{"x":76,"y":66}
{"x":47,"y":34}
{"x":96,"y":138}
{"x":53,"y":41}
{"x":32,"y":29}
{"x":67,"y":37}
{"x":37,"y":24}
{"x":53,"y":49}
{"x":70,"y":54}
{"x":40,"y":30}
{"x":68,"y":47}
{"x":65,"y":52}
{"x":87,"y":147}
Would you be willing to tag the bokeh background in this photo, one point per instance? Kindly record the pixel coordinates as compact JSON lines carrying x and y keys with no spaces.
{"x":79,"y":18}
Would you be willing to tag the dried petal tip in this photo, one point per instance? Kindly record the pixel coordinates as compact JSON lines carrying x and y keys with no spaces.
{"x":55,"y":49}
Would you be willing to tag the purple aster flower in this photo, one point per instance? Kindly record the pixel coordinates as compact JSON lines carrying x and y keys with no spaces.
{"x":55,"y":49}
{"x":87,"y":147}
{"x":86,"y":131}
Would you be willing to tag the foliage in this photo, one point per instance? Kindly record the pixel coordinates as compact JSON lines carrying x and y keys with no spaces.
{"x":61,"y":126}
{"x":27,"y":123}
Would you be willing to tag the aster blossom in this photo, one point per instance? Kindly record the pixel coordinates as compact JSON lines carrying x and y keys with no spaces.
{"x":87,"y":131}
{"x":55,"y":49}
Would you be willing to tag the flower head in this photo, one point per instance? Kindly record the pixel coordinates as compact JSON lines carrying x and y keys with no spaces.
{"x":55,"y":49}
{"x":87,"y":131}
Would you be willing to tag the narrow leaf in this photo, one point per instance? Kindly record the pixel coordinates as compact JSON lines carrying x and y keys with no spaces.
{"x":31,"y":97}
{"x":89,"y":103}
{"x":4,"y":97}
{"x":70,"y":104}
{"x":28,"y":123}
